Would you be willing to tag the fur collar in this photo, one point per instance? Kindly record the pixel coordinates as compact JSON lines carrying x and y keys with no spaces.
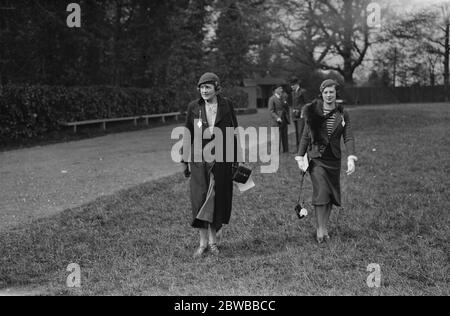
{"x":316,"y":120}
{"x":314,"y":111}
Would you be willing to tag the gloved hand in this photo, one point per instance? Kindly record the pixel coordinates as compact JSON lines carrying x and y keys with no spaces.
{"x":351,"y":165}
{"x":186,"y":171}
{"x":302,"y":163}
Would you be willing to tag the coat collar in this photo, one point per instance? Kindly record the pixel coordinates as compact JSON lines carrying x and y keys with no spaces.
{"x":337,"y":122}
{"x":318,"y":108}
{"x":222,"y":110}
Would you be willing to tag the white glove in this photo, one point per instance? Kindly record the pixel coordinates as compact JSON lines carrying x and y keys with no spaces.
{"x":351,"y":165}
{"x":302,"y":163}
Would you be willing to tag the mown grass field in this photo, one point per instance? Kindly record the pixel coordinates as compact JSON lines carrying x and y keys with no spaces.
{"x":138,"y":241}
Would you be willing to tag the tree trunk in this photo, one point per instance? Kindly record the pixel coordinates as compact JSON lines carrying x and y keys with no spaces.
{"x":116,"y":59}
{"x":117,"y":38}
{"x":432,"y":77}
{"x":447,"y":61}
{"x":348,"y":43}
{"x":348,"y":75}
{"x":394,"y":80}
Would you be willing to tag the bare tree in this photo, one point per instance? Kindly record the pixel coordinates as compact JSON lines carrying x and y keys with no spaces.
{"x":331,"y":35}
{"x":429,"y":31}
{"x":304,"y":43}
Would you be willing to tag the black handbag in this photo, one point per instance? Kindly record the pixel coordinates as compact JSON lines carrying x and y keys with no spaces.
{"x":241,"y":174}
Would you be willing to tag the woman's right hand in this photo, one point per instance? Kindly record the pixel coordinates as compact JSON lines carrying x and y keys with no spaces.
{"x":186,"y":171}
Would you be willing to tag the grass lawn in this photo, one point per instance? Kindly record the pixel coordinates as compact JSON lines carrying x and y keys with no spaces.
{"x":138,"y":241}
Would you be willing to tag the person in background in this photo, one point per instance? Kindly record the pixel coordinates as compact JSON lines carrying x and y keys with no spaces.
{"x":279,"y":112}
{"x":326,"y":123}
{"x":298,"y":102}
{"x":211,"y":183}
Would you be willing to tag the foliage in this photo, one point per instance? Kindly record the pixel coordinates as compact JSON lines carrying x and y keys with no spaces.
{"x":29,"y":111}
{"x":237,"y":95}
{"x":168,"y":44}
{"x":320,"y":32}
{"x":232,"y":43}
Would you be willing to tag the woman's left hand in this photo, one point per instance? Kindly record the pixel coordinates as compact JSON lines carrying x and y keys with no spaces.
{"x":351,"y":165}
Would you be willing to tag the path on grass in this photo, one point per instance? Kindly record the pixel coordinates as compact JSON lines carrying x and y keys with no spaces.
{"x":42,"y":181}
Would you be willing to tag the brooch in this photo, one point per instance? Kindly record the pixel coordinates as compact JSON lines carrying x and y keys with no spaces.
{"x":200,"y":122}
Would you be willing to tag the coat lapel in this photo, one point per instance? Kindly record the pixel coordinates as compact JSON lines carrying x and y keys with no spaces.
{"x":222,"y":110}
{"x":201,"y":114}
{"x":337,"y":122}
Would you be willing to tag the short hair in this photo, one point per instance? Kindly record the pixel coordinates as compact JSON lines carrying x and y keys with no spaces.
{"x":328,"y":84}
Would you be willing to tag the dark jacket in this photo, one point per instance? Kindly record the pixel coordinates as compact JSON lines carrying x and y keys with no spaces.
{"x":199,"y":182}
{"x":315,"y":138}
{"x":298,"y":102}
{"x":279,"y":108}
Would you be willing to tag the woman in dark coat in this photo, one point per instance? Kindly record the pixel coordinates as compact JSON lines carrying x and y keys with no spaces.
{"x":326,"y":124}
{"x":211,"y":184}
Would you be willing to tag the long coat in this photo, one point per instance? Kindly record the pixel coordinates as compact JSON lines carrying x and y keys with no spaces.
{"x":315,"y":138}
{"x":222,"y":171}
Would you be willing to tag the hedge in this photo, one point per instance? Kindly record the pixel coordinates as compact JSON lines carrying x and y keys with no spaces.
{"x":29,"y":111}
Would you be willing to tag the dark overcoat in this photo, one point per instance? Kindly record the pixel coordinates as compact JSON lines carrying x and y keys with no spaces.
{"x":222,"y":171}
{"x":278,"y":108}
{"x":298,"y":101}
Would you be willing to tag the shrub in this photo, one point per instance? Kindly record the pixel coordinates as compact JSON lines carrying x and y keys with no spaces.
{"x":237,"y":95}
{"x":30,"y":111}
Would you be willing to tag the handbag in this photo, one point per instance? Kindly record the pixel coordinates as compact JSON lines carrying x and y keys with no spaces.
{"x":241,"y":173}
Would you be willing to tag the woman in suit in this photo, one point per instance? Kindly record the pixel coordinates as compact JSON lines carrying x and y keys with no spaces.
{"x":211,"y":183}
{"x":326,"y":123}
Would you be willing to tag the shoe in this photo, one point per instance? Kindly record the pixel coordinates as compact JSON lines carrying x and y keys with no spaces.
{"x":214,"y":250}
{"x":200,"y":252}
{"x":327,"y":238}
{"x":320,"y":240}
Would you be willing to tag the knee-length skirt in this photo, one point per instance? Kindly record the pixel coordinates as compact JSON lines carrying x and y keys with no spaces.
{"x":325,"y":178}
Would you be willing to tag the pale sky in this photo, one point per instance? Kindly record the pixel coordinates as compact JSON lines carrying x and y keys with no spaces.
{"x":425,"y":2}
{"x":416,"y":3}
